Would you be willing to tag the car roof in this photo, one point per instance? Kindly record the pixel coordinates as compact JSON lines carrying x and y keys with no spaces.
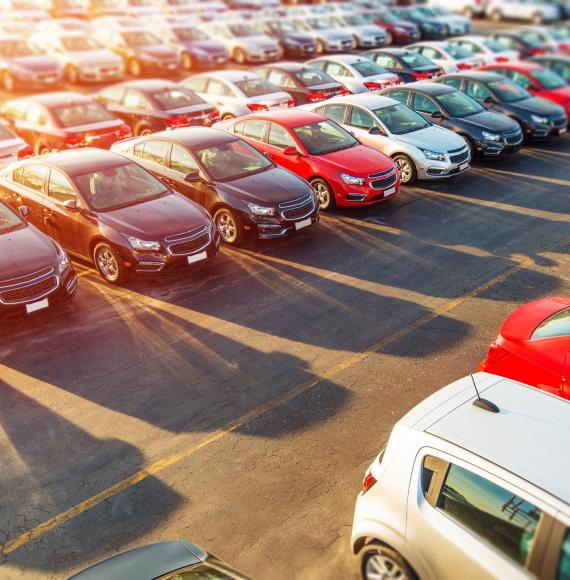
{"x":518,"y":65}
{"x":529,"y":437}
{"x":147,"y":85}
{"x":289,"y":117}
{"x":369,"y":100}
{"x":287,"y":66}
{"x":521,"y":323}
{"x":79,"y":161}
{"x":480,"y":75}
{"x":428,"y":87}
{"x":344,"y":58}
{"x":145,"y":563}
{"x":232,"y":75}
{"x":192,"y":136}
{"x":390,"y":50}
{"x":55,"y":99}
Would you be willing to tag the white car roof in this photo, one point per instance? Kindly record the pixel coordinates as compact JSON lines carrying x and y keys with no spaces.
{"x":344,"y":58}
{"x":367,"y":100}
{"x":529,"y":437}
{"x":231,"y":75}
{"x":443,"y":44}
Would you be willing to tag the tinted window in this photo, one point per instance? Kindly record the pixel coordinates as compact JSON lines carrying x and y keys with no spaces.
{"x":15,"y":110}
{"x":557,"y":325}
{"x":324,"y":137}
{"x":520,"y":79}
{"x":182,"y":161}
{"x":508,"y":92}
{"x":59,"y":187}
{"x":253,"y":129}
{"x":238,"y":128}
{"x":5,"y":133}
{"x":563,"y":571}
{"x":279,"y":137}
{"x":199,"y":572}
{"x":424,"y":104}
{"x":37,"y":115}
{"x":335,"y":69}
{"x":400,"y":119}
{"x":134,"y":100}
{"x":219,"y":89}
{"x":335,"y":112}
{"x":368,"y":68}
{"x":197,"y":84}
{"x":255,"y":87}
{"x":431,"y":53}
{"x":455,"y":83}
{"x":155,"y":151}
{"x":458,"y":104}
{"x":176,"y":98}
{"x":361,"y":119}
{"x":280,"y":79}
{"x":32,"y":176}
{"x":562,"y":69}
{"x":548,"y":79}
{"x":477,"y":90}
{"x":500,"y":517}
{"x":112,"y":95}
{"x":401,"y":96}
{"x":311,"y":77}
{"x":82,"y":114}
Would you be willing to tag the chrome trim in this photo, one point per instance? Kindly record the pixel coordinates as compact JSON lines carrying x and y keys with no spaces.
{"x":44,"y":272}
{"x":188,"y":237}
{"x":27,"y":284}
{"x":387,"y":185}
{"x":381,"y":173}
{"x":297,"y":203}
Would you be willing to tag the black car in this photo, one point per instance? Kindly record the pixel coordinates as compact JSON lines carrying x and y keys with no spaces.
{"x":304,"y":83}
{"x":526,"y":43}
{"x":559,"y":64}
{"x":537,"y":117}
{"x":295,"y":44}
{"x":409,"y":66}
{"x":430,"y":28}
{"x":245,"y":192}
{"x":488,"y":133}
{"x":155,"y":105}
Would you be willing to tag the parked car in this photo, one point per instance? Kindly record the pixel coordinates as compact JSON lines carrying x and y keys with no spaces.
{"x":63,"y":25}
{"x":12,"y":147}
{"x":35,"y":273}
{"x":537,"y":80}
{"x":409,"y":66}
{"x":294,"y":44}
{"x":245,"y":43}
{"x":534,"y":11}
{"x":556,"y":63}
{"x":533,"y":345}
{"x":327,"y":39}
{"x":537,"y":117}
{"x":342,"y":171}
{"x":24,"y":66}
{"x":67,"y":9}
{"x":468,"y":8}
{"x":99,"y":8}
{"x":83,"y":58}
{"x":456,"y":25}
{"x":451,"y":491}
{"x":450,"y":57}
{"x":356,"y":73}
{"x":419,"y":149}
{"x":525,"y":44}
{"x":364,"y":33}
{"x":238,"y":92}
{"x":245,"y":192}
{"x":430,"y":28}
{"x":108,"y":210}
{"x":171,"y":560}
{"x":28,"y":11}
{"x":153,"y":105}
{"x":551,"y":41}
{"x":487,"y":49}
{"x":487,"y":133}
{"x":398,"y":31}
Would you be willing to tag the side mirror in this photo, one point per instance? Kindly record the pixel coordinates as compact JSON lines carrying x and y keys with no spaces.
{"x":292,"y":151}
{"x":192,"y":177}
{"x":437,"y":115}
{"x":374,"y":131}
{"x":488,"y":100}
{"x":24,"y":211}
{"x":70,"y":204}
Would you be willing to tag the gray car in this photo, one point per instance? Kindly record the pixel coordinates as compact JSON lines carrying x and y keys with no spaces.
{"x":329,"y":38}
{"x":420,"y":150}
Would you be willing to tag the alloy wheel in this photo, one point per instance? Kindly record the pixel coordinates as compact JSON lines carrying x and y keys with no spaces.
{"x":107,"y":264}
{"x":405,"y":169}
{"x":323,"y":195}
{"x":227,"y":226}
{"x":382,"y":567}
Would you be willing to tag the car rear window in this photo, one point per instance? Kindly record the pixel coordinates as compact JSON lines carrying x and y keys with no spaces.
{"x":82,"y":114}
{"x":256,"y":87}
{"x":176,"y":98}
{"x":556,"y":325}
{"x":312,"y":77}
{"x":369,"y":68}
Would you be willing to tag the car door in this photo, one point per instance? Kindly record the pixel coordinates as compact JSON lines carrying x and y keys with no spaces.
{"x":360,"y":122}
{"x":28,"y":182}
{"x":425,"y":106}
{"x":284,"y":82}
{"x":340,"y":73}
{"x":278,"y":139}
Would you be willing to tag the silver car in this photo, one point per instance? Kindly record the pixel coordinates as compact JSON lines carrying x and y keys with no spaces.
{"x":420,"y":150}
{"x":364,"y":34}
{"x":328,"y":39}
{"x":238,"y":92}
{"x":533,"y":11}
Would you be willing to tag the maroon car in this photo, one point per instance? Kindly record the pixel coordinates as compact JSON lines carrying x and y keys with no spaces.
{"x":398,"y":31}
{"x":108,"y":210}
{"x":55,"y":121}
{"x":35,"y":273}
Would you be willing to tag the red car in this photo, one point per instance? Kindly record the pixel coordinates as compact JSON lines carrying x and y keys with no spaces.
{"x":341,"y":170}
{"x":536,"y":79}
{"x":533,"y":346}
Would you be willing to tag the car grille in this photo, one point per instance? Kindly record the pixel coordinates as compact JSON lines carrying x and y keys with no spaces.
{"x":459,"y":158}
{"x":560,"y":122}
{"x":513,"y":138}
{"x":381,"y":173}
{"x":188,"y":242}
{"x":28,"y":288}
{"x":297,"y":208}
{"x":384,"y":183}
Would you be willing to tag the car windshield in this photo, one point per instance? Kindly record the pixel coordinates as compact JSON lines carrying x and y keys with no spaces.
{"x":548,"y":79}
{"x":321,"y":24}
{"x":457,"y":51}
{"x":9,"y":220}
{"x":508,"y":91}
{"x":5,"y":133}
{"x":119,"y":186}
{"x":556,"y":325}
{"x":140,"y":38}
{"x":256,"y":87}
{"x":17,"y":47}
{"x":357,"y":19}
{"x":176,"y":98}
{"x":324,"y":137}
{"x":493,"y":45}
{"x":390,"y":17}
{"x":416,"y":60}
{"x":533,"y":38}
{"x":232,"y":160}
{"x":81,"y":114}
{"x":282,"y":26}
{"x":400,"y":119}
{"x":188,"y":34}
{"x":243,"y":30}
{"x":458,"y":104}
{"x":311,"y":77}
{"x":560,"y":34}
{"x":368,"y":68}
{"x":80,"y":43}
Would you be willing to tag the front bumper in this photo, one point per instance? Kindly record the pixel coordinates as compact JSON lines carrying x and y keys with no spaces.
{"x":101,"y":75}
{"x":277,"y":227}
{"x":543,"y":131}
{"x":498,"y":149}
{"x":263,"y":56}
{"x":44,"y":83}
{"x":429,"y":169}
{"x":405,"y":37}
{"x":210,"y":61}
{"x":160,"y":67}
{"x":338,"y":45}
{"x":372,"y":42}
{"x":379,"y":187}
{"x":300,"y":51}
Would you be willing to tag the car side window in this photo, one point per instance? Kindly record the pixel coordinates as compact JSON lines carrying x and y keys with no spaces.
{"x":335,"y":112}
{"x":60,"y":188}
{"x":197,"y":84}
{"x":320,"y":64}
{"x":387,"y":61}
{"x":33,"y":176}
{"x":495,"y":514}
{"x":471,"y":47}
{"x":521,"y":80}
{"x":181,"y":160}
{"x":280,"y":79}
{"x":134,"y":100}
{"x":563,"y":570}
{"x":455,"y":83}
{"x":156,"y":151}
{"x":111,"y":96}
{"x":238,"y":128}
{"x":37,"y":115}
{"x":219,"y":89}
{"x":336,"y":69}
{"x":361,"y":119}
{"x":431,"y":53}
{"x":478,"y":90}
{"x":424,"y":104}
{"x":138,"y":150}
{"x":401,"y":96}
{"x":280,"y":137}
{"x":253,"y":128}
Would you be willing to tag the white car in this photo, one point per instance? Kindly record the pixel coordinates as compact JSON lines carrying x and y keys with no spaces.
{"x":57,"y":25}
{"x":535,"y":11}
{"x":470,"y":488}
{"x":543,"y":35}
{"x":12,"y":147}
{"x":488,"y":49}
{"x":419,"y":149}
{"x":468,"y":8}
{"x":238,"y":92}
{"x":450,"y":57}
{"x":364,"y":34}
{"x":358,"y":74}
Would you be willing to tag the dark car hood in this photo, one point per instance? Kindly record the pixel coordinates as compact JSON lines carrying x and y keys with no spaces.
{"x":209,"y":46}
{"x":297,"y":37}
{"x":25,"y":251}
{"x":159,"y":51}
{"x":36,"y":63}
{"x":157,"y":218}
{"x":489,"y":120}
{"x":273,"y":186}
{"x":404,"y":24}
{"x":537,"y":106}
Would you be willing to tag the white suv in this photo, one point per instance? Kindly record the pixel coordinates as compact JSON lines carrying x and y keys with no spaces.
{"x":464,"y":491}
{"x":535,"y":11}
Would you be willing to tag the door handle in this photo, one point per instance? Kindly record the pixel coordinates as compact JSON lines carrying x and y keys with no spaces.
{"x":267,"y":154}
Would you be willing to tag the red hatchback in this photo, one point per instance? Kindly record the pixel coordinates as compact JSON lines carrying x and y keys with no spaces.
{"x":533,"y":346}
{"x":341,"y":170}
{"x":537,"y":80}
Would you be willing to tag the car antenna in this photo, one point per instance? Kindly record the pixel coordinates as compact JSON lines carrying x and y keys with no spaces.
{"x":484,"y":404}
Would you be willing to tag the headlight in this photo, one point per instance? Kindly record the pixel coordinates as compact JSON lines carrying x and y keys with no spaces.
{"x":491,"y":136}
{"x":434,"y":156}
{"x":351,"y":180}
{"x":540,"y":120}
{"x":64,"y":264}
{"x":144,"y":245}
{"x":260,"y":209}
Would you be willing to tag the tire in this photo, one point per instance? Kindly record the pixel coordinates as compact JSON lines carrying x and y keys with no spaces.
{"x":389,"y":38}
{"x":228,"y":226}
{"x":320,"y":47}
{"x":41,"y":149}
{"x":240,"y":56}
{"x":470,"y":146}
{"x":8,"y":82}
{"x":407,"y":169}
{"x":187,"y":62}
{"x":228,"y":116}
{"x":134,"y":68}
{"x":354,"y":43}
{"x":71,"y":74}
{"x":109,"y":264}
{"x":379,"y":561}
{"x":496,"y":16}
{"x":142,"y":129}
{"x":537,"y":19}
{"x":324,"y":193}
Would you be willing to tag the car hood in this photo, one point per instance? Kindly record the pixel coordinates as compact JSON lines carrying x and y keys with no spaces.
{"x":434,"y":138}
{"x":159,"y":51}
{"x":260,"y":42}
{"x":368,"y":30}
{"x":403,"y":24}
{"x":334,"y":34}
{"x":37,"y":63}
{"x":297,"y":37}
{"x":359,"y":160}
{"x":537,"y":106}
{"x":156,"y":218}
{"x":207,"y":46}
{"x":273,"y":186}
{"x":489,"y":120}
{"x":101,"y":57}
{"x":24,"y":251}
{"x":562,"y":94}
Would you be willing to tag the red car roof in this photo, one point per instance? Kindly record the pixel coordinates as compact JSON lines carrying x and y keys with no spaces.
{"x":514,"y":65}
{"x":523,"y":322}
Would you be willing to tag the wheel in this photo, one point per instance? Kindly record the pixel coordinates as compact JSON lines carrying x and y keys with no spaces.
{"x":109,"y":264}
{"x":142,"y":129}
{"x":8,"y":82}
{"x":381,"y":563}
{"x":186,"y":61}
{"x":537,"y":19}
{"x":41,"y":149}
{"x":468,"y":12}
{"x":239,"y":56}
{"x":228,"y":116}
{"x":496,"y":16}
{"x":324,"y":193}
{"x":320,"y":47}
{"x":134,"y":68}
{"x":354,"y":43}
{"x":389,"y":37}
{"x":71,"y":74}
{"x":407,"y":169}
{"x":228,"y":226}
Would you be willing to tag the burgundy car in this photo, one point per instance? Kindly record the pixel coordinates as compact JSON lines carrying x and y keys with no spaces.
{"x":55,"y":121}
{"x":108,"y":210}
{"x":35,"y":273}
